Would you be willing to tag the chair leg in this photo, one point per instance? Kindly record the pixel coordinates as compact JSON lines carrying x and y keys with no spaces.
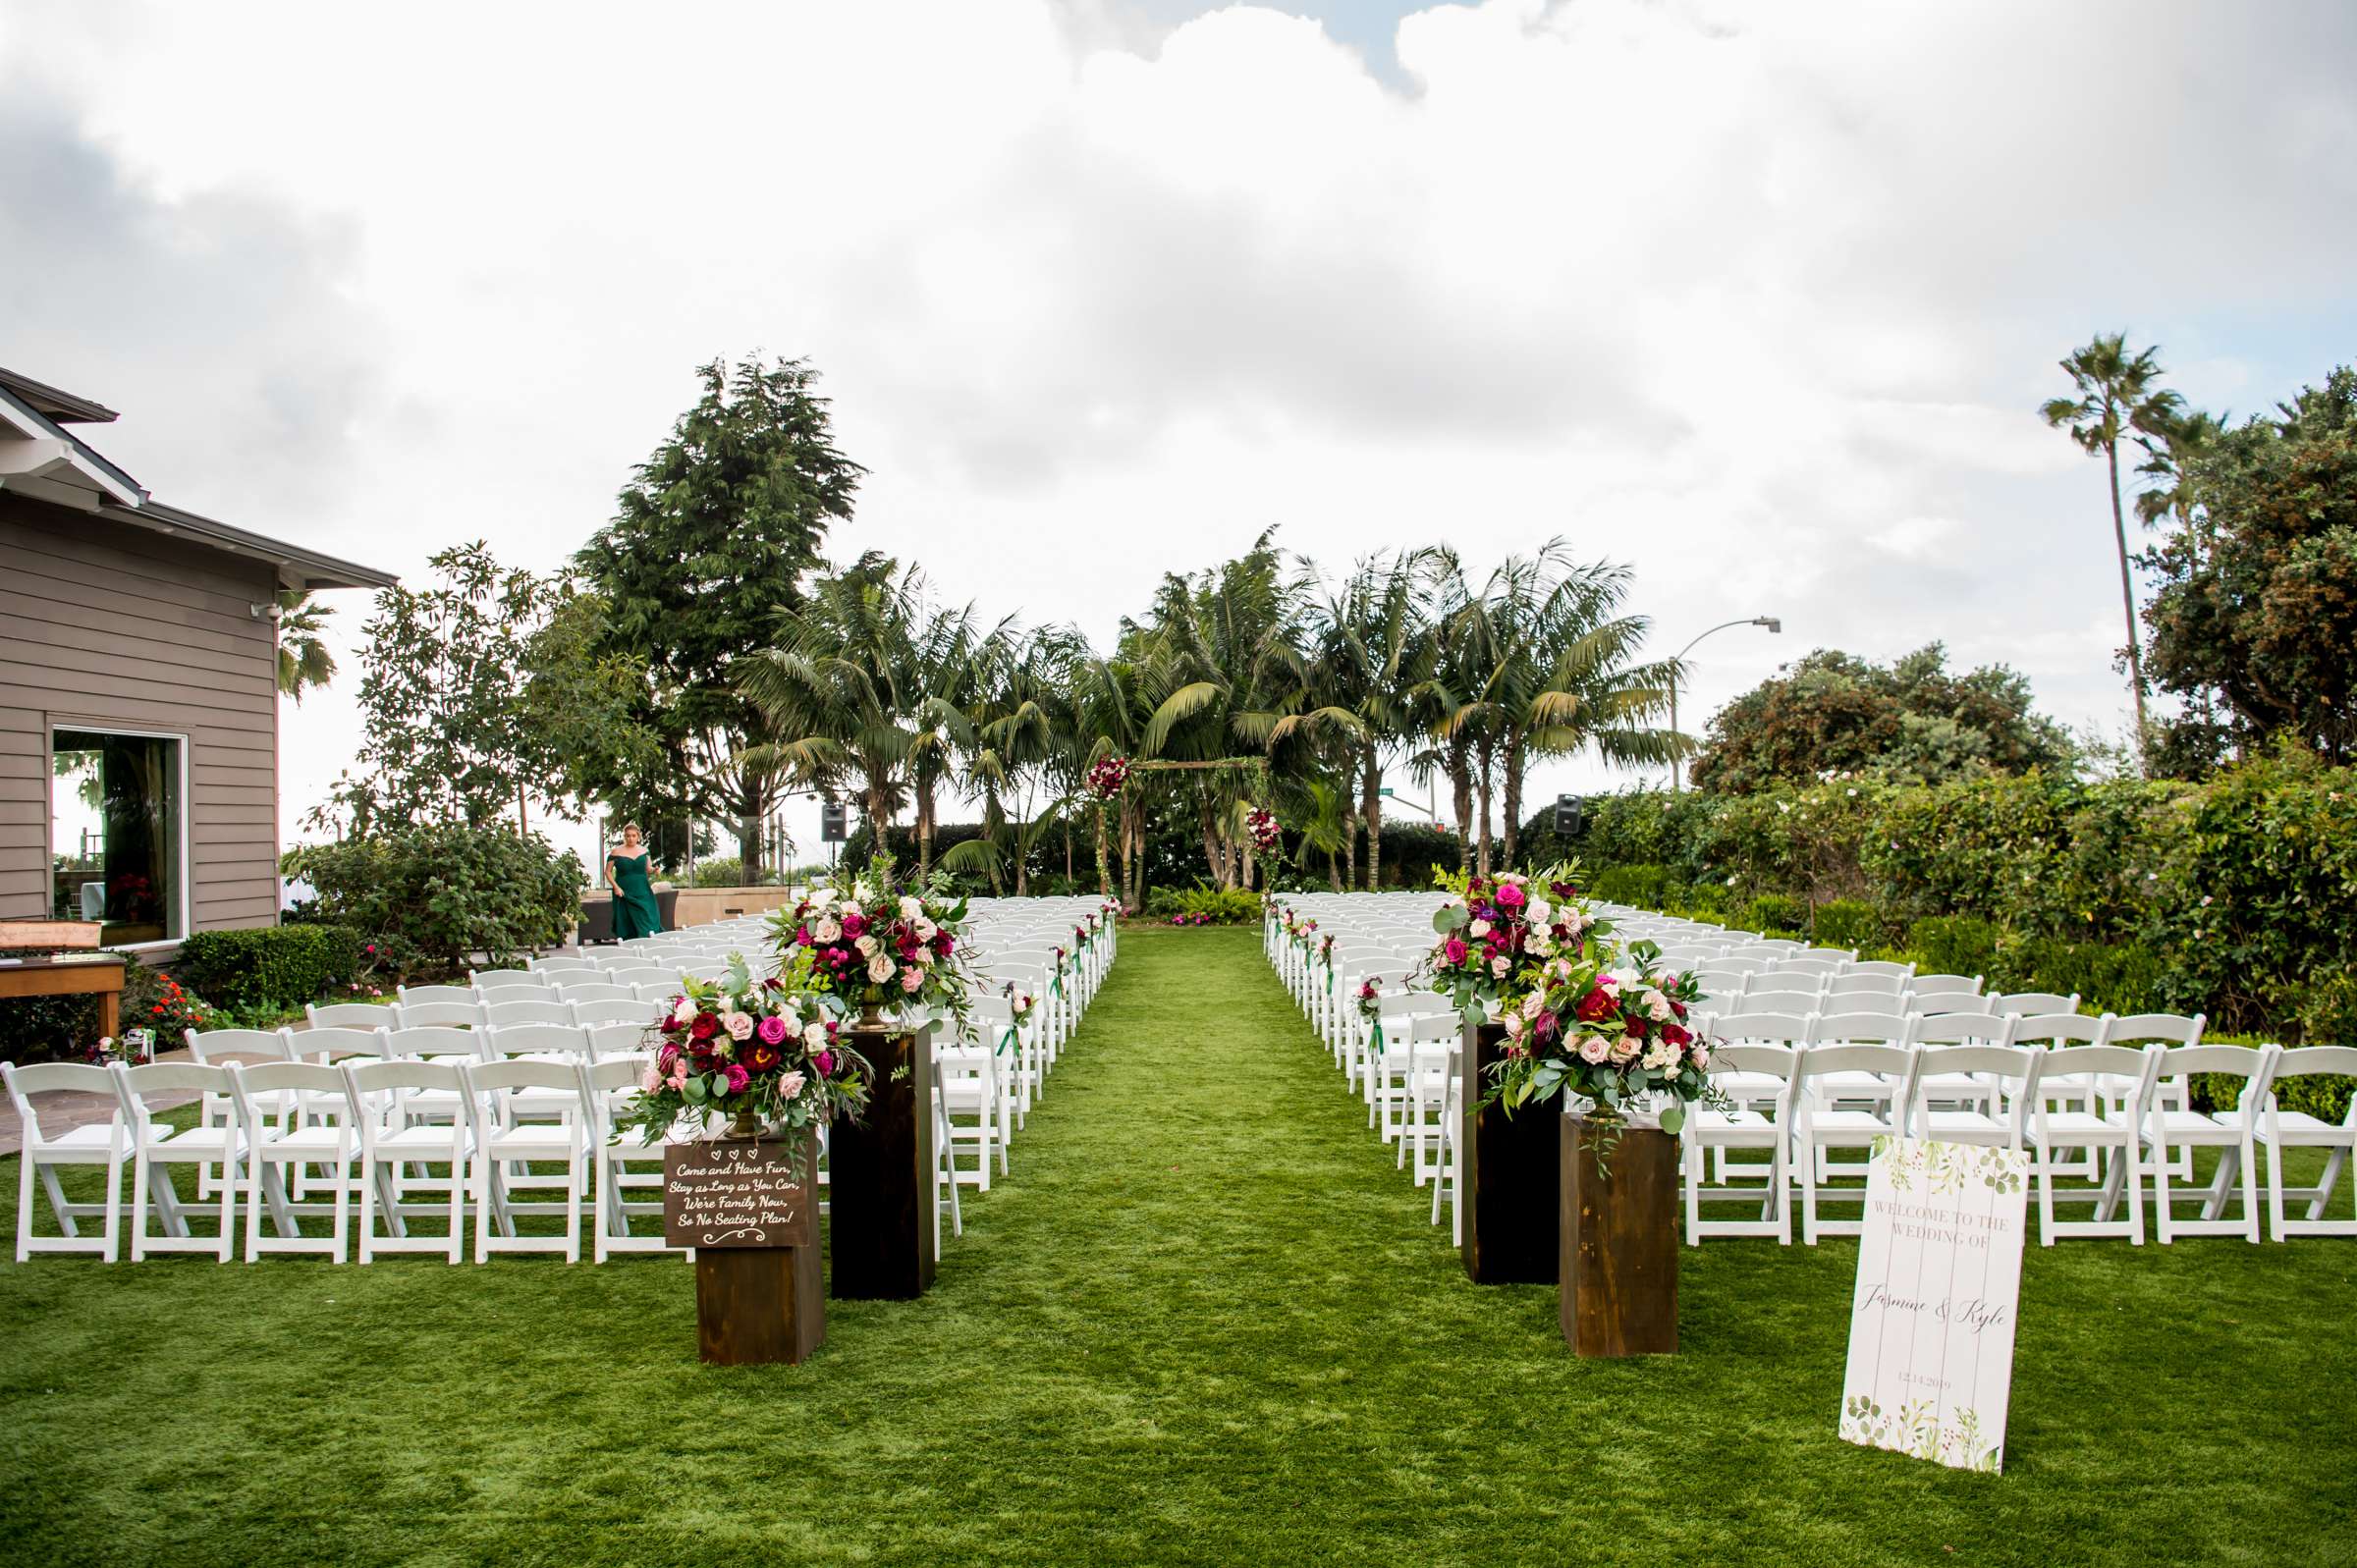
{"x":1808,"y":1194}
{"x":140,"y":1171}
{"x":24,"y":1167}
{"x":574,"y":1175}
{"x":458,"y":1206}
{"x":343,"y":1221}
{"x":2042,"y":1171}
{"x":2250,"y":1192}
{"x":229,"y":1224}
{"x":2275,"y":1186}
{"x":2164,"y":1219}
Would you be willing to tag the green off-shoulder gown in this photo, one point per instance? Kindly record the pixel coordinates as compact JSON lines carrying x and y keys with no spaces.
{"x":635,"y":913}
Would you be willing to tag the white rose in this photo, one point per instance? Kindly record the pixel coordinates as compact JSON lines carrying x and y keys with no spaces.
{"x":866,"y":945}
{"x":1661,"y":1055}
{"x":926,"y":930}
{"x":1498,"y":966}
{"x":684,"y":1012}
{"x":1541,"y":942}
{"x":814,"y":1036}
{"x":1479,"y":928}
{"x":879,"y":968}
{"x":823,"y":899}
{"x":910,"y":909}
{"x":828,"y":928}
{"x":1656,"y":1005}
{"x":1540,"y":909}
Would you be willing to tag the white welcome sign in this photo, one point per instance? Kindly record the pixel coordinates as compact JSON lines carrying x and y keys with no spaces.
{"x":1931,"y":1328}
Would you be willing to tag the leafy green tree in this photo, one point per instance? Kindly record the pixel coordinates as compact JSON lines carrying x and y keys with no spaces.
{"x":1910,"y":720}
{"x":709,"y":541}
{"x":2256,"y":604}
{"x":304,"y":662}
{"x":2118,"y":394}
{"x":448,"y":736}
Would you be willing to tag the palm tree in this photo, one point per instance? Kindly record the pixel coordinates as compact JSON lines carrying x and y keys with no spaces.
{"x":1367,"y":644}
{"x":304,"y":662}
{"x":2118,"y":394}
{"x":841,"y":687}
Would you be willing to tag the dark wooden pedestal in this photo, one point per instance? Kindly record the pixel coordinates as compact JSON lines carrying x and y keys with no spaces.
{"x":880,"y":1176}
{"x":758,"y":1304}
{"x":1619,"y":1242}
{"x":1511,"y":1186}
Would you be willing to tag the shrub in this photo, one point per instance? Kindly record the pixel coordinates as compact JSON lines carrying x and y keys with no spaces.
{"x":47,"y":1028}
{"x":1953,"y":944}
{"x":269,"y":966}
{"x":1645,"y":886}
{"x":1206,"y":906}
{"x":1849,"y":923}
{"x":1775,"y":913}
{"x":428,"y":899}
{"x":2109,"y":976}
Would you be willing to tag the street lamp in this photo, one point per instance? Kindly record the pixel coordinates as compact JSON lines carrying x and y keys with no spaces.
{"x":1676,"y":773}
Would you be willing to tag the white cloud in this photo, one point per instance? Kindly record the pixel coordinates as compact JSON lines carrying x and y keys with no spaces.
{"x":1761,"y":300}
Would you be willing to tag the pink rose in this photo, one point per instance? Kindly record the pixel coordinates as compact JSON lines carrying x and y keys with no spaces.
{"x":737,"y":1077}
{"x":773,"y":1030}
{"x":911,"y":979}
{"x":1594,"y":1050}
{"x":791,"y":1085}
{"x":1499,"y":966}
{"x":1455,"y":949}
{"x":739,"y":1025}
{"x":1625,"y":1048}
{"x":653,"y":1080}
{"x":679,"y":1075}
{"x":1509,"y":895}
{"x":824,"y":1061}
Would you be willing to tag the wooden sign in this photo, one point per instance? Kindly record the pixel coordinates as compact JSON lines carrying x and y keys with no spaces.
{"x":727,"y":1192}
{"x":1931,"y":1328}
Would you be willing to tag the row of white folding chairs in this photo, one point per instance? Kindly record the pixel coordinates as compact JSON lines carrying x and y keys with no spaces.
{"x":372,"y":1127}
{"x":640,"y":1007}
{"x":1963,"y":992}
{"x":2113,"y":1099}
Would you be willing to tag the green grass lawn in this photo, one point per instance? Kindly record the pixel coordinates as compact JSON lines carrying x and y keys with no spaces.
{"x":1205,"y":1320}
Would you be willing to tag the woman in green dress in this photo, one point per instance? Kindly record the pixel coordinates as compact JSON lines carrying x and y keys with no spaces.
{"x":636,"y":912}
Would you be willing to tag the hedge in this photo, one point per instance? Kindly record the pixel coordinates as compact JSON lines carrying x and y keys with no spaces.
{"x":2236,"y":898}
{"x":268,"y":966}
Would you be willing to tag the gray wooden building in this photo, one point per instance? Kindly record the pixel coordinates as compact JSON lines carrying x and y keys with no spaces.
{"x":138,"y":710}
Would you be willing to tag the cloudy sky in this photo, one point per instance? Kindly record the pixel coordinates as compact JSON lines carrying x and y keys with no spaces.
{"x":1758,"y":298}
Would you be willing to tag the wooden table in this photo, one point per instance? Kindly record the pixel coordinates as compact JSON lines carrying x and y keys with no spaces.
{"x":98,"y":974}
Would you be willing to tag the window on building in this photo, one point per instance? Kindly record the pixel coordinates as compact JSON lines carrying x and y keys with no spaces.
{"x":118,"y":825}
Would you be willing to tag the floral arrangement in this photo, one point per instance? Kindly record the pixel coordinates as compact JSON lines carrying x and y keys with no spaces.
{"x":1261,"y":823}
{"x":869,"y":947}
{"x":136,"y":1049}
{"x":1370,"y":1008}
{"x":1497,"y":934}
{"x":767,"y":1053}
{"x":1326,"y":951}
{"x":1615,"y":1035}
{"x":1106,"y":776}
{"x":176,"y":1009}
{"x":1198,"y":918}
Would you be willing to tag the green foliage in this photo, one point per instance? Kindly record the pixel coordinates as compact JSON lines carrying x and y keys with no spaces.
{"x":1644,"y":885}
{"x":2256,"y":609}
{"x":707,"y":546}
{"x":1215,"y":905}
{"x":1778,"y":913}
{"x":1953,"y":944}
{"x":447,"y":735}
{"x":1849,"y":923}
{"x":1909,"y":722}
{"x":269,"y":966}
{"x":428,"y":900}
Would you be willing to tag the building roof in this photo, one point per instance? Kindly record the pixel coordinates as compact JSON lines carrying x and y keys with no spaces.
{"x":40,"y":459}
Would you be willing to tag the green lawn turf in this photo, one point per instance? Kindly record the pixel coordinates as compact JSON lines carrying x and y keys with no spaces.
{"x":1206,"y":1321}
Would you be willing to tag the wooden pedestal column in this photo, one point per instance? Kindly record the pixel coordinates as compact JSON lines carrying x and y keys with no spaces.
{"x":749,"y":1209}
{"x":880,"y":1176}
{"x":1511,"y":1185}
{"x":1619,"y":1242}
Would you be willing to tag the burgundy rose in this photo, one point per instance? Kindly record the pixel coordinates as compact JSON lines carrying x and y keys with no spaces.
{"x":942,"y":944}
{"x":736,"y":1077}
{"x":703,"y":1027}
{"x":854,"y":925}
{"x":1597,"y":1005}
{"x":761,"y":1056}
{"x":1455,"y":949}
{"x":1677,"y":1036}
{"x":824,"y":1061}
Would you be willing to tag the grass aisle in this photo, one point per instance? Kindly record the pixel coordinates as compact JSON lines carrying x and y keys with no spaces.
{"x":1205,"y":1322}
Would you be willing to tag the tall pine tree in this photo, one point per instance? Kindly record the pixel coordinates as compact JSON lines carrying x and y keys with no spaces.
{"x":704,"y":556}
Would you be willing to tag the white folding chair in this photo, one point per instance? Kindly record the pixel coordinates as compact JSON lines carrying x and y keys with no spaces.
{"x":2232,"y":1133}
{"x":2111,"y":1138}
{"x":1820,"y":1123}
{"x":542,"y":1009}
{"x":609,"y":1085}
{"x":215,"y":1151}
{"x":347,"y":1015}
{"x":497,"y":1095}
{"x":331,"y":1141}
{"x":382,"y":1097}
{"x":2175,"y":1092}
{"x":2282,"y":1129}
{"x":466,"y":1014}
{"x":103,"y":1145}
{"x":1708,"y":1128}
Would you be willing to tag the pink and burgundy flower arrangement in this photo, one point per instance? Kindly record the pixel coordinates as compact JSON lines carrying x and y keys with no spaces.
{"x":770,"y":1051}
{"x":1619,"y":1036}
{"x":1497,"y":934}
{"x":1106,"y":776}
{"x":1261,"y":823}
{"x":869,"y":947}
